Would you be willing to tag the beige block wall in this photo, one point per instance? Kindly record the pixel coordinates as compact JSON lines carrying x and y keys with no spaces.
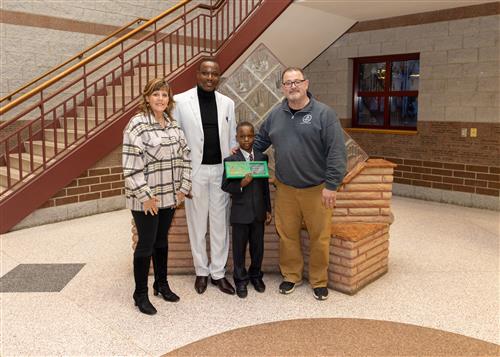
{"x":459,"y":67}
{"x":98,"y":11}
{"x":28,"y":52}
{"x":459,"y":90}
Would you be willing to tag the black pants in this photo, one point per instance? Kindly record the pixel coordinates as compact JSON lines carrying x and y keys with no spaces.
{"x":243,"y":234}
{"x":152,"y":231}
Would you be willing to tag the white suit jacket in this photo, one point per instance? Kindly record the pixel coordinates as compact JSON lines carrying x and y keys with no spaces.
{"x":187,"y":113}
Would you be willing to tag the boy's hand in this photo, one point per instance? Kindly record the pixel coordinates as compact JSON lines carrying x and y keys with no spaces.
{"x":269,"y":218}
{"x":246,"y":180}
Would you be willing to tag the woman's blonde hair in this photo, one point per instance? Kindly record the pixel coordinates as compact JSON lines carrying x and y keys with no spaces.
{"x":152,"y":86}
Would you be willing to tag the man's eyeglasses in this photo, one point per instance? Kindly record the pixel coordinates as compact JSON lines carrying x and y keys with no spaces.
{"x":295,"y":83}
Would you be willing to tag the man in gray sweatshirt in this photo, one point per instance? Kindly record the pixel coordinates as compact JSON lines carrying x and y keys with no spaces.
{"x":310,"y":158}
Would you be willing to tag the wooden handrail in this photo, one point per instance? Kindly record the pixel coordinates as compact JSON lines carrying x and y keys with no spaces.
{"x":77,"y":56}
{"x":99,"y":53}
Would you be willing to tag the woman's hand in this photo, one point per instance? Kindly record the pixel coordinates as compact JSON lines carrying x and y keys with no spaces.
{"x":181,"y":196}
{"x":151,"y":206}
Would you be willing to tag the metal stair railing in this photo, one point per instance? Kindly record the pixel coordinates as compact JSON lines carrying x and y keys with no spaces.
{"x":73,"y":106}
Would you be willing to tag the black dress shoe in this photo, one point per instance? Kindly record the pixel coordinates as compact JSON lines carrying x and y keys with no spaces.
{"x":241,"y":290}
{"x":200,"y":284}
{"x":224,"y":286}
{"x":259,"y":285}
{"x":164,"y":290}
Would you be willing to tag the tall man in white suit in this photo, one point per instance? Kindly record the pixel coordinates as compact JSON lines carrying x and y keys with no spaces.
{"x":208,"y":121}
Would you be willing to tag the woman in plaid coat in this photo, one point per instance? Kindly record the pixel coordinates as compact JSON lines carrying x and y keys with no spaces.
{"x":157,"y":170}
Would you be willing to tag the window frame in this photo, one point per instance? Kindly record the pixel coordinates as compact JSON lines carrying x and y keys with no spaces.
{"x":385,"y":94}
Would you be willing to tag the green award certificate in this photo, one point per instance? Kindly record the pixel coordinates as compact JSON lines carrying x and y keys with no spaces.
{"x":238,"y":169}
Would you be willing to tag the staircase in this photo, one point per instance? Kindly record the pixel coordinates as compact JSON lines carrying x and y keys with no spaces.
{"x":62,"y":134}
{"x":74,"y":123}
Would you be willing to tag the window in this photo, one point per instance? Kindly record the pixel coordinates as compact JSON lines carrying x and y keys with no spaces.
{"x":385,"y":92}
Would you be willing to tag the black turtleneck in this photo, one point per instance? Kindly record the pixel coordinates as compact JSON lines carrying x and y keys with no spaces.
{"x":211,"y":145}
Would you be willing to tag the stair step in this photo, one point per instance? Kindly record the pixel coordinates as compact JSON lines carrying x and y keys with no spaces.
{"x":14,"y":176}
{"x":138,"y":86}
{"x":91,"y":111}
{"x":144,"y":70}
{"x":49,"y":135}
{"x":127,"y":80}
{"x":25,"y":157}
{"x":80,"y":123}
{"x":80,"y":111}
{"x":128,"y":89}
{"x":38,"y":145}
{"x":160,"y":58}
{"x":99,"y":100}
{"x":138,"y":82}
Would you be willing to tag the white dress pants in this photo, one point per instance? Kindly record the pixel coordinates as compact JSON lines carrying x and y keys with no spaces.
{"x":208,"y":201}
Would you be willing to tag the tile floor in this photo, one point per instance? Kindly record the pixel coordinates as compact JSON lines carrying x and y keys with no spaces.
{"x":443,"y":273}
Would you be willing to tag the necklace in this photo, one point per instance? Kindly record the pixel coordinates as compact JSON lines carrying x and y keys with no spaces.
{"x":161,"y":121}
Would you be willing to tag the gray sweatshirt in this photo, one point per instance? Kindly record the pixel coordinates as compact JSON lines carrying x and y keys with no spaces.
{"x":308,"y":146}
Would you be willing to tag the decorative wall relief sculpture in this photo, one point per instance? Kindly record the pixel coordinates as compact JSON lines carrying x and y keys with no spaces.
{"x":255,"y":87}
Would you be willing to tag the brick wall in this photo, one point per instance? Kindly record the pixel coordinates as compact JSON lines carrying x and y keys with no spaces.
{"x":459,"y":89}
{"x":437,"y":141}
{"x":438,"y":157}
{"x":93,"y":184}
{"x":483,"y":180}
{"x":104,"y":179}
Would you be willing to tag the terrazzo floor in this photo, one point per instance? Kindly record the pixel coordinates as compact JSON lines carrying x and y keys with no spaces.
{"x":443,"y":274}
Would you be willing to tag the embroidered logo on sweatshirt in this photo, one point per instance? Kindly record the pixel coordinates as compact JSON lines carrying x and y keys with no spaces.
{"x":306,"y":119}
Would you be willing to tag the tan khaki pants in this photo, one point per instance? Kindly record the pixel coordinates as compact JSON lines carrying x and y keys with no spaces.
{"x":292,"y":206}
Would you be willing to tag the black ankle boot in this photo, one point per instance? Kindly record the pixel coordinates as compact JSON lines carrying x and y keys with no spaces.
{"x":163,"y":289}
{"x":160,"y":285}
{"x":141,"y":270}
{"x":144,"y":305}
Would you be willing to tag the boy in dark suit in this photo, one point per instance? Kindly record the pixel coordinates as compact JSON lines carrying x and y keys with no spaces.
{"x":250,"y":209}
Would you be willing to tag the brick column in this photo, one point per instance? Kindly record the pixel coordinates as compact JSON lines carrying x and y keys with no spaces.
{"x":358,"y":255}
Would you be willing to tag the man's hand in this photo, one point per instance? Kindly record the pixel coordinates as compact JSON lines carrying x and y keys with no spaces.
{"x":269,"y":218}
{"x":328,"y":198}
{"x":151,"y":206}
{"x":246,"y":180}
{"x":234,"y":150}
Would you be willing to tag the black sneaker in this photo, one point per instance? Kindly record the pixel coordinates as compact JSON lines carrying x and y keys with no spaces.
{"x":320,"y":293}
{"x":287,"y":287}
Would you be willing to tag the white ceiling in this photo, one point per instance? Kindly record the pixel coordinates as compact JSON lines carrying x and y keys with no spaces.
{"x":363,"y":10}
